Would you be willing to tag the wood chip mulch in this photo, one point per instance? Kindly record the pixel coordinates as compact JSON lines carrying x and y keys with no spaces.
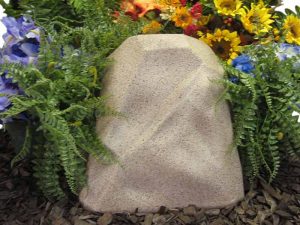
{"x":21,"y":203}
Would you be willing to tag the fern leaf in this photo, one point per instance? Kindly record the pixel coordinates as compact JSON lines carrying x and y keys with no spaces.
{"x":47,"y":167}
{"x":20,"y":104}
{"x":25,"y":148}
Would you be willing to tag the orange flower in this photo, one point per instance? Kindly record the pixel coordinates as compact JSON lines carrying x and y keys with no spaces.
{"x":152,"y":28}
{"x":182,"y":17}
{"x":138,"y":8}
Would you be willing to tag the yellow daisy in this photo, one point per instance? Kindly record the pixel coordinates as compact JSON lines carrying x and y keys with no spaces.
{"x":224,"y":43}
{"x":182,"y":17}
{"x":291,"y":27}
{"x":258,"y":19}
{"x":152,"y":28}
{"x":203,"y":20}
{"x":168,"y":3}
{"x":228,"y":7}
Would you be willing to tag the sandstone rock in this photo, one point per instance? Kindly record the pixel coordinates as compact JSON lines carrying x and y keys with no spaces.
{"x":173,"y":142}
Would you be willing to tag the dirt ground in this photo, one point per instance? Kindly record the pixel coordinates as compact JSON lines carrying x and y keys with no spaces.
{"x":21,"y":203}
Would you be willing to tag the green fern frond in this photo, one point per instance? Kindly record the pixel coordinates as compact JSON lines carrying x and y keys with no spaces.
{"x":25,"y":148}
{"x":87,"y":140}
{"x":21,"y":104}
{"x":47,"y":168}
{"x":62,"y":89}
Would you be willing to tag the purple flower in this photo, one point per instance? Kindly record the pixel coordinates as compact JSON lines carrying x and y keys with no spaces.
{"x":18,"y":29}
{"x":22,"y":40}
{"x":21,"y":45}
{"x":8,"y":88}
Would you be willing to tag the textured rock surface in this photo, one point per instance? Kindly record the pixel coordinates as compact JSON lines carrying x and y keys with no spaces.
{"x":173,"y":141}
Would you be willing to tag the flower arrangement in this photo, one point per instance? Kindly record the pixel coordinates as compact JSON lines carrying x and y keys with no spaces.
{"x":225,"y":25}
{"x":53,"y":61}
{"x":260,"y":49}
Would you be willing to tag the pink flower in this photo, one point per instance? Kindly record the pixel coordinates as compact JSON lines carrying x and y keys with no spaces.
{"x":183,"y":2}
{"x":191,"y":30}
{"x":196,"y":10}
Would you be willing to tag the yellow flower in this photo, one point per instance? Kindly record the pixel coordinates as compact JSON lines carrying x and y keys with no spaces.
{"x":167,"y":13}
{"x":182,"y":17}
{"x":152,"y":28}
{"x":258,"y":19}
{"x":228,"y":7}
{"x":291,"y":27}
{"x":274,"y":36}
{"x":168,"y":3}
{"x":223,"y":42}
{"x":203,"y":20}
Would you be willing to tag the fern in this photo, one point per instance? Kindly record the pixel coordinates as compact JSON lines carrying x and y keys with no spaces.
{"x":25,"y":150}
{"x":262,"y":104}
{"x":64,"y":142}
{"x":20,"y":105}
{"x":61,"y":92}
{"x":47,"y":168}
{"x":86,"y":138}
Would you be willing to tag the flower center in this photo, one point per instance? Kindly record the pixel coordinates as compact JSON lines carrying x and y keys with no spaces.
{"x":228,"y":5}
{"x":255,"y":18}
{"x":222,"y":48}
{"x":295,"y":30}
{"x":183,"y":17}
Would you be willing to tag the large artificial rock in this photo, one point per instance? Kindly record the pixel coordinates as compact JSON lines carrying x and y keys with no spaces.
{"x":173,"y":142}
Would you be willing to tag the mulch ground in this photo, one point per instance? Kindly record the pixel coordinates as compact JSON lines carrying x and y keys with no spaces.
{"x":21,"y":203}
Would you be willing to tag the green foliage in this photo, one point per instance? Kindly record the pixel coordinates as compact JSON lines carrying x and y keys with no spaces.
{"x":262,"y":105}
{"x":47,"y":167}
{"x":62,"y":94}
{"x":44,"y":11}
{"x":24,"y":151}
{"x":74,"y":13}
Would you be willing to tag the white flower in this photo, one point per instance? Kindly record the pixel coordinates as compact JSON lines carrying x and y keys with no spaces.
{"x":167,"y":13}
{"x":296,"y":114}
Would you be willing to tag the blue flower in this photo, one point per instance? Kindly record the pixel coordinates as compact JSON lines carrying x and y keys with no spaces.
{"x":286,"y":51}
{"x":234,"y":80}
{"x":243,"y":63}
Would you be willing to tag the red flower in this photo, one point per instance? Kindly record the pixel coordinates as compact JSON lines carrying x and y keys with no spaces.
{"x":116,"y":14}
{"x":196,"y":10}
{"x":183,"y":2}
{"x":191,"y":30}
